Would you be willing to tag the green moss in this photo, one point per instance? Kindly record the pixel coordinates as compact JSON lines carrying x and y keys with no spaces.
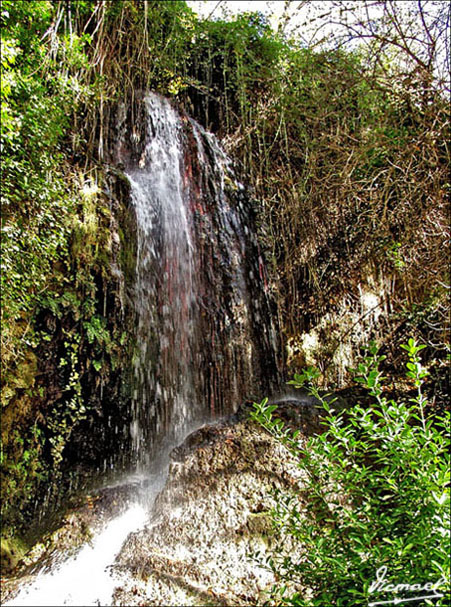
{"x":259,"y":524}
{"x":12,"y":550}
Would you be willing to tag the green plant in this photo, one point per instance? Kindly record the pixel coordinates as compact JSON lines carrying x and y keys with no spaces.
{"x":375,"y":503}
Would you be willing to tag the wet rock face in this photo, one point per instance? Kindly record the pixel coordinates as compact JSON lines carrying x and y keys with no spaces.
{"x":205,"y":335}
{"x":66,"y":421}
{"x":212,"y":515}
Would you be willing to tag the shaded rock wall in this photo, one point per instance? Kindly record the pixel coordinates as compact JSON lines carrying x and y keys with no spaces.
{"x":64,"y":425}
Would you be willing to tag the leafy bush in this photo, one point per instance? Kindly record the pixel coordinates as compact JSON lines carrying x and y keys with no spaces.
{"x":376,"y":496}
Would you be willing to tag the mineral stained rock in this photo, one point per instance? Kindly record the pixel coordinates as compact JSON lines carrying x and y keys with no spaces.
{"x":210,"y":518}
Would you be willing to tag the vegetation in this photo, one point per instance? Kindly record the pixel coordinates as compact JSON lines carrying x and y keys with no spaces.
{"x":352,"y":183}
{"x":374,"y":499}
{"x":56,"y":250}
{"x":349,"y":174}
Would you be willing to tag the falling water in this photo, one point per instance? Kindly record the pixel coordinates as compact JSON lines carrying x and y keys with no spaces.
{"x":204,"y":336}
{"x":203,"y":319}
{"x":165,"y":284}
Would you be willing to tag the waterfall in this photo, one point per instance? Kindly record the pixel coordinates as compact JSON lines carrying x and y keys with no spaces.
{"x":165,"y":300}
{"x":204,"y":335}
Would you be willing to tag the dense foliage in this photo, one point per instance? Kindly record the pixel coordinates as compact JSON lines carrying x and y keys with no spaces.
{"x":349,"y":174}
{"x":374,"y":494}
{"x":56,"y":251}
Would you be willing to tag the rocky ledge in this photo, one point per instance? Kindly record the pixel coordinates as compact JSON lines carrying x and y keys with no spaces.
{"x":209,"y":529}
{"x":209,"y":522}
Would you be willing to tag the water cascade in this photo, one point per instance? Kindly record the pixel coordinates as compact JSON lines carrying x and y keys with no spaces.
{"x":204,"y":336}
{"x":85,"y":578}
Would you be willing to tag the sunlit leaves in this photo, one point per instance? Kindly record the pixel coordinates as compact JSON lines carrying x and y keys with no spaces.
{"x":376,"y":492}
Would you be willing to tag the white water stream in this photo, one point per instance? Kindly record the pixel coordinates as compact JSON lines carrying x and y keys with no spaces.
{"x":85,"y":579}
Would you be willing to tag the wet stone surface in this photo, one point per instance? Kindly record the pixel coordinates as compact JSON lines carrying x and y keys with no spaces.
{"x":212,"y":515}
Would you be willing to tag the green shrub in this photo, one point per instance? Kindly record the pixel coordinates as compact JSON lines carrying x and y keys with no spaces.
{"x":375,"y":504}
